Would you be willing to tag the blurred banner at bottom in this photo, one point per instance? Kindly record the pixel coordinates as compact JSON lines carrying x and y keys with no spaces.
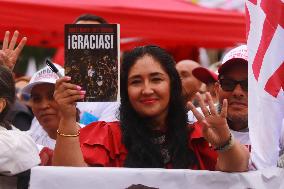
{"x":126,"y":178}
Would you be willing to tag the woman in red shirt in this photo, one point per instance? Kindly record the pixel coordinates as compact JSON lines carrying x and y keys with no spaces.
{"x":153,"y":130}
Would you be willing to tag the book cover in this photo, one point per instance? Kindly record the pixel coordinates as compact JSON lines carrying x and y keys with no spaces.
{"x":92,"y":60}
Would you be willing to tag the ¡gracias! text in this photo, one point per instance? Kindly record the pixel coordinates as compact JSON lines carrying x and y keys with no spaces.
{"x":90,"y":41}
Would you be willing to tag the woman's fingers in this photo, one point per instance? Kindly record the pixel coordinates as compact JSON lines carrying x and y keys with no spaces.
{"x":13,"y":40}
{"x":62,"y":84}
{"x":212,"y":107}
{"x":12,"y":44}
{"x":195,"y":112}
{"x":2,"y":58}
{"x":6,"y":40}
{"x":202,"y":105}
{"x":62,"y":80}
{"x":69,"y":100}
{"x":71,"y":92}
{"x":224,"y":108}
{"x":21,"y":45}
{"x":66,"y":92}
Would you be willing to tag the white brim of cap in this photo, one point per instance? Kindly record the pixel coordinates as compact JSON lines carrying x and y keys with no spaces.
{"x":27,"y":89}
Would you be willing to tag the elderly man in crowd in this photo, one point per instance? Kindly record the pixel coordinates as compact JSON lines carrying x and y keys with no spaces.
{"x":190,"y":84}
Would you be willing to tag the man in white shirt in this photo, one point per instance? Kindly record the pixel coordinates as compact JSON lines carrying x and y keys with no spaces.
{"x":232,"y":84}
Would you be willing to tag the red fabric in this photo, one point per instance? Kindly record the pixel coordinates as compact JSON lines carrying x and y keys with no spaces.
{"x":59,"y":56}
{"x":205,"y":154}
{"x":101,"y":145}
{"x":167,"y":23}
{"x":46,"y":156}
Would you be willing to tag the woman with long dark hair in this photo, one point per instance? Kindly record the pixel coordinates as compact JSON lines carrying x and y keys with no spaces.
{"x":139,"y":132}
{"x":153,"y":130}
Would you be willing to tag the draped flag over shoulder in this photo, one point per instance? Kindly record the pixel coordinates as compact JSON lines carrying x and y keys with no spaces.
{"x":265,"y":34}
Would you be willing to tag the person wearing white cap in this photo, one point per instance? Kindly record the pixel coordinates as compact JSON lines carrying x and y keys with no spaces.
{"x":230,"y":84}
{"x":233,"y":85}
{"x":45,"y":109}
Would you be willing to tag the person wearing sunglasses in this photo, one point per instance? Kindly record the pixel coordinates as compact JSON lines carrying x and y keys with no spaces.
{"x":232,"y":85}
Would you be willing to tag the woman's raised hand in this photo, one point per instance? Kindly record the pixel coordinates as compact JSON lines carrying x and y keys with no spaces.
{"x":215,"y":128}
{"x":9,"y":54}
{"x":66,"y":94}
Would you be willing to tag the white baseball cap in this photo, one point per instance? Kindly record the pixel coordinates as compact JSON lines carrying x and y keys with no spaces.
{"x":235,"y":56}
{"x":44,"y":75}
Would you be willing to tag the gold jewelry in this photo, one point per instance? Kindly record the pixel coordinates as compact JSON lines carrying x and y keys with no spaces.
{"x":68,"y":135}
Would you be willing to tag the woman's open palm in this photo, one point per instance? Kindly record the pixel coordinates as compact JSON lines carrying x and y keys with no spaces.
{"x":214,"y":124}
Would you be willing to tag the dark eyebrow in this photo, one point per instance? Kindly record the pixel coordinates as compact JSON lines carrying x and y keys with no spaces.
{"x":157,"y":74}
{"x":151,"y":75}
{"x":134,"y":77}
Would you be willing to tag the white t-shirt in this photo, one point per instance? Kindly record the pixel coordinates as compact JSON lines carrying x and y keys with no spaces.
{"x":18,"y":152}
{"x":243,"y":138}
{"x":40,"y":136}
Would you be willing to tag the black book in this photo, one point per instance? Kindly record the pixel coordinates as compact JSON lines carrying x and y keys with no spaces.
{"x":92,"y":60}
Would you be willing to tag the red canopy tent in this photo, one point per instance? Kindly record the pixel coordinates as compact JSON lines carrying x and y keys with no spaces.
{"x":167,"y":23}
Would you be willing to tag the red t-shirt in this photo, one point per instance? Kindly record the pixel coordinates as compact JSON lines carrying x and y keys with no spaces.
{"x":101,"y":145}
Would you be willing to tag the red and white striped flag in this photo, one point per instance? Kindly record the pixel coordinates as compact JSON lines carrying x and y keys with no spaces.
{"x":265,"y":34}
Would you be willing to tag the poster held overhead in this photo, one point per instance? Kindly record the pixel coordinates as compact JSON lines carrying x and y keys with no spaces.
{"x":92,"y":60}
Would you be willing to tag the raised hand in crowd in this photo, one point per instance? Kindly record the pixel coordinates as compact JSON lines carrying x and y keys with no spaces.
{"x":66,"y":95}
{"x":9,"y":54}
{"x":214,"y":124}
{"x":216,"y":131}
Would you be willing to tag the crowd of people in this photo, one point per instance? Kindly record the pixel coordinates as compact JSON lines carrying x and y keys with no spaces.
{"x":161,"y":121}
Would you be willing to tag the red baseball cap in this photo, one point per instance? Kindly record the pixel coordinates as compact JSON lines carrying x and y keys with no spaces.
{"x":205,"y":75}
{"x":235,"y":56}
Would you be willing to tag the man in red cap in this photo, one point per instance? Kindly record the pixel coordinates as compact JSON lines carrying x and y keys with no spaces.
{"x":209,"y":78}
